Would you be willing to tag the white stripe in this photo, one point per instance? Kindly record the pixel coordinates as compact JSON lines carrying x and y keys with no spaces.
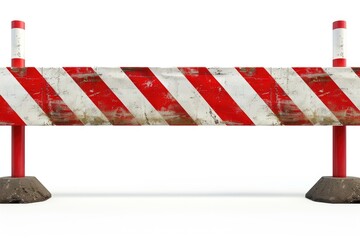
{"x":339,"y":44}
{"x":302,"y":95}
{"x":245,"y":96}
{"x":187,"y":96}
{"x":20,"y":100}
{"x":73,"y":96}
{"x":348,"y":81}
{"x":18,"y":43}
{"x":130,"y":96}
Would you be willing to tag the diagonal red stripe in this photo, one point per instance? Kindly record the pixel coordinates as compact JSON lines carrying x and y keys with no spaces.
{"x":45,"y":96}
{"x":217,"y":97}
{"x":274,"y":96}
{"x":330,"y":94}
{"x":160,"y":98}
{"x":101,"y":95}
{"x":7,"y":115}
{"x":356,"y":70}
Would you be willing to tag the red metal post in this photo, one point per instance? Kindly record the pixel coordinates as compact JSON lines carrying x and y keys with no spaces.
{"x":339,"y":132}
{"x":18,"y":132}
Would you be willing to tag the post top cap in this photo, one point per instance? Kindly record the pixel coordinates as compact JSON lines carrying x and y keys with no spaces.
{"x":339,"y":24}
{"x":18,"y":24}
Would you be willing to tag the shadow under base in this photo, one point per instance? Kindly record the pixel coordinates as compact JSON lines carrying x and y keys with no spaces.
{"x":335,"y":190}
{"x":22,"y":190}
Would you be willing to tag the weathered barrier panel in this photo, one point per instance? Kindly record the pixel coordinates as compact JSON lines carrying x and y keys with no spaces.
{"x":180,"y":96}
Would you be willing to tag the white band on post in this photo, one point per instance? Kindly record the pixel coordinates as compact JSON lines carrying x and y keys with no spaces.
{"x":18,"y":43}
{"x":339,"y":36}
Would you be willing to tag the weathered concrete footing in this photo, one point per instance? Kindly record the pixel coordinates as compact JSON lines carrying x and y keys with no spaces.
{"x":335,"y":190}
{"x":22,"y":190}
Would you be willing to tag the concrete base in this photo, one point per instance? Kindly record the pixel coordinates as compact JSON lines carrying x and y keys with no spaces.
{"x":335,"y":190}
{"x":22,"y":190}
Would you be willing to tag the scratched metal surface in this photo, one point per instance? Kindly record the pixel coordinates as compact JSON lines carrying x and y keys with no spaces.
{"x":179,"y":96}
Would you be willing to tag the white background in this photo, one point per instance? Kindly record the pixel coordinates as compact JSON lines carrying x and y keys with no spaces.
{"x":114,"y":181}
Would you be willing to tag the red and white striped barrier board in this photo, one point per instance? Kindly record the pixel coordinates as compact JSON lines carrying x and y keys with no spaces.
{"x":179,"y":96}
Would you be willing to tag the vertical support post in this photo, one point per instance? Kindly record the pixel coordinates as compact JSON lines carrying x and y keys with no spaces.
{"x":339,"y":132}
{"x":18,"y":188}
{"x":18,"y":132}
{"x":339,"y":188}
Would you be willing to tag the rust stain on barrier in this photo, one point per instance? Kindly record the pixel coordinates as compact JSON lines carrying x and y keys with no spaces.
{"x":194,"y":71}
{"x":21,"y":71}
{"x":120,"y":117}
{"x":249,"y":71}
{"x":92,"y":120}
{"x":88,"y":77}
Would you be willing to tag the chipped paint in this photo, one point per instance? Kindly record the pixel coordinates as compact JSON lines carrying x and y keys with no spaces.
{"x":168,"y":96}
